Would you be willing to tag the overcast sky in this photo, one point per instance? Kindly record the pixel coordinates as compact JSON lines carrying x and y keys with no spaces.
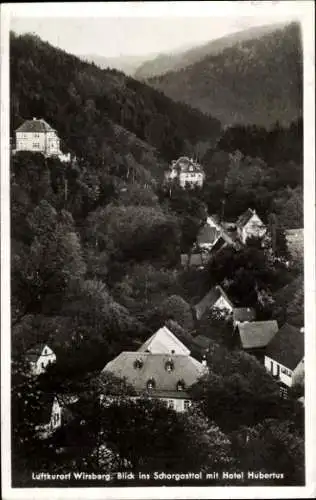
{"x":111,"y":36}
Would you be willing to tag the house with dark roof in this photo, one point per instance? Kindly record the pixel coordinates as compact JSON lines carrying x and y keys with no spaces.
{"x":37,"y":136}
{"x":39,"y":357}
{"x":186,"y":172}
{"x":195,"y":259}
{"x":254,"y":336}
{"x":216,"y":298}
{"x":227,"y":237}
{"x":166,"y":377}
{"x":207,"y":236}
{"x":284,"y":356}
{"x":164,"y":342}
{"x":242,"y":314}
{"x":250,"y":225}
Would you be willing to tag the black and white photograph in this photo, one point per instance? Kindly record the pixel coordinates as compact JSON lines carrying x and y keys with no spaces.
{"x":158,"y":250}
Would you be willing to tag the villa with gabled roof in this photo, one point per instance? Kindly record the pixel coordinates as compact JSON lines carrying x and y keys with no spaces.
{"x":167,"y":377}
{"x":186,"y":172}
{"x":37,"y":136}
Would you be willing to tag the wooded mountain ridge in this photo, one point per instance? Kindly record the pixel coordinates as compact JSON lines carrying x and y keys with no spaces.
{"x":257,"y":81}
{"x":97,"y":111}
{"x":163,"y":63}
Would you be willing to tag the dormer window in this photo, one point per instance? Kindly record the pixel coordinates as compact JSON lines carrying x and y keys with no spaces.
{"x":169,"y":365}
{"x":138,"y":364}
{"x":181,"y":385}
{"x":151,"y":384}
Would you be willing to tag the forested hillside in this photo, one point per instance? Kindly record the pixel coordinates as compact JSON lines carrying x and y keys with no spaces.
{"x":257,"y":81}
{"x":86,"y":105}
{"x":163,"y":63}
{"x":95,"y":269}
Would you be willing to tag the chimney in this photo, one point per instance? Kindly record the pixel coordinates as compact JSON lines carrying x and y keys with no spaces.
{"x":204,"y":362}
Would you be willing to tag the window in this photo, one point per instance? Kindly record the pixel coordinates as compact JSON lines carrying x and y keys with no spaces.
{"x":286,"y":372}
{"x":151,"y":384}
{"x":169,"y":366}
{"x":55,"y":418}
{"x":138,"y":363}
{"x":170,"y":403}
{"x":36,"y":135}
{"x":283,"y":392}
{"x":180,"y":385}
{"x":43,"y":365}
{"x":36,"y":145}
{"x":187,"y":404}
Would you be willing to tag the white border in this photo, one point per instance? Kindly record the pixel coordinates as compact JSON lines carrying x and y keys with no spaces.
{"x":302,"y":11}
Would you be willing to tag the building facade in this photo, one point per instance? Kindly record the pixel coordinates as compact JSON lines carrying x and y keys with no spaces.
{"x":249,"y":225}
{"x":284,"y":357}
{"x":37,"y":136}
{"x":166,"y":377}
{"x":39,"y":358}
{"x":186,"y":173}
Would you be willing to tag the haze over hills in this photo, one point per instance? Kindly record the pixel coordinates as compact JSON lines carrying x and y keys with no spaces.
{"x":174,"y":61}
{"x":257,"y":80}
{"x":128,"y":64}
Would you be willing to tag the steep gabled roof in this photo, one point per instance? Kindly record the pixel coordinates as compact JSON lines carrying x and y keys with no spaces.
{"x":164,"y":342}
{"x":184,"y":163}
{"x":210,"y":299}
{"x":244,"y":314}
{"x":36,"y":351}
{"x":287,"y":347}
{"x":153,"y":367}
{"x":35,"y":126}
{"x":257,"y":334}
{"x":208,"y":235}
{"x":245,"y":217}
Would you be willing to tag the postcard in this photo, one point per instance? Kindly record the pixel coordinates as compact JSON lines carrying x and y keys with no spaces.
{"x":158,"y":250}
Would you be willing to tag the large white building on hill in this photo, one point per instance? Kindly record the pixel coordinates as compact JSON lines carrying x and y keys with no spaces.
{"x":37,"y":136}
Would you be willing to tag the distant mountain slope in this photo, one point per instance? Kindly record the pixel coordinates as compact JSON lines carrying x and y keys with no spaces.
{"x":88,"y":105}
{"x":174,"y":61}
{"x":255,"y":81}
{"x":126,"y":64}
